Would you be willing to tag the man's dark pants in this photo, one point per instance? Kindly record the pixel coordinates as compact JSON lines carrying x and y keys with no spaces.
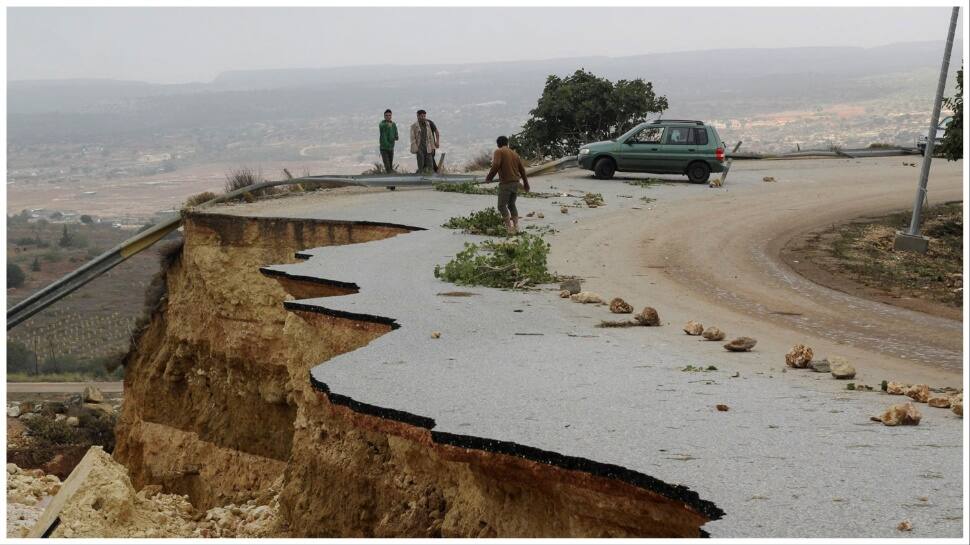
{"x":425,"y":161}
{"x":387,"y":155}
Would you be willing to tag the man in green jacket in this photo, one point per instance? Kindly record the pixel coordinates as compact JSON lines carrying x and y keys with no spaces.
{"x":388,"y":130}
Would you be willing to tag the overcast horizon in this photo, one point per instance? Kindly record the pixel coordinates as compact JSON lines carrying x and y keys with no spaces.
{"x":185,"y":45}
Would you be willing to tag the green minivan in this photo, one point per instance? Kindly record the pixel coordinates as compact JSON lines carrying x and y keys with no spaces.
{"x":661,"y":146}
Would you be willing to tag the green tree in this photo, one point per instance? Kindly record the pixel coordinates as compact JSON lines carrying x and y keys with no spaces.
{"x":952,"y":147}
{"x":15,"y":276}
{"x":86,"y":219}
{"x":66,"y":238}
{"x":584,"y":108}
{"x":19,"y":358}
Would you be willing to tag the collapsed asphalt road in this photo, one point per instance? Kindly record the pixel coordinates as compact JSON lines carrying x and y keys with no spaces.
{"x":792,"y":443}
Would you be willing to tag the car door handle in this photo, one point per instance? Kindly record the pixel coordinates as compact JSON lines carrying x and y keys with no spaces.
{"x":653,"y":149}
{"x":690,"y":150}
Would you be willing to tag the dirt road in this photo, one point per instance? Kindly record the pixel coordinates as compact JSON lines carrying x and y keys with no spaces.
{"x":713,"y":255}
{"x":60,"y":387}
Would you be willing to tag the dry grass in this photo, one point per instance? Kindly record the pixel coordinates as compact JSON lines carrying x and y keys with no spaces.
{"x":482,"y":161}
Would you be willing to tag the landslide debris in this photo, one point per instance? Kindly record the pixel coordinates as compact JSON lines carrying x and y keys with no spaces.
{"x":515,"y":262}
{"x":106,"y":505}
{"x":28,"y":493}
{"x":713,"y":334}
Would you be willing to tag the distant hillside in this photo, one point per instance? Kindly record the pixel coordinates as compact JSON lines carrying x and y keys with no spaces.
{"x":718,"y":83}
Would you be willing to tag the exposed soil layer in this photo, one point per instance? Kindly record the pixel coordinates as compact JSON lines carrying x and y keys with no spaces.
{"x":219,"y":403}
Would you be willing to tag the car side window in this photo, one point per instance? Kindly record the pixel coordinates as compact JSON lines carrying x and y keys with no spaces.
{"x":649,"y":135}
{"x":678,"y":135}
{"x":698,"y":136}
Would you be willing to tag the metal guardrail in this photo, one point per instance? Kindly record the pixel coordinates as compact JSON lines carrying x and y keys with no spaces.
{"x":103,"y":263}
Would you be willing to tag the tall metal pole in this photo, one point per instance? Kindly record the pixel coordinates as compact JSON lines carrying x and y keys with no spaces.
{"x":934,"y":123}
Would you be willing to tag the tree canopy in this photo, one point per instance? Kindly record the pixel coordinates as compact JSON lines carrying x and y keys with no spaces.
{"x":952,"y":148}
{"x":584,"y":108}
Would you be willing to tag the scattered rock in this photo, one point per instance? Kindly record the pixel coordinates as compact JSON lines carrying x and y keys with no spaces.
{"x":586,"y":297}
{"x":59,"y":417}
{"x":75,"y":400}
{"x":919,"y":392}
{"x":530,"y":214}
{"x":619,"y":306}
{"x":564,"y":294}
{"x":563,"y":209}
{"x":799,"y":357}
{"x":901,"y":415}
{"x":540,"y":215}
{"x":905,"y":526}
{"x":435,"y":334}
{"x":939,"y":402}
{"x":896,"y":388}
{"x":820,"y":366}
{"x":841,"y":368}
{"x":13,"y":411}
{"x":572,"y":285}
{"x":956,"y":405}
{"x":722,"y":407}
{"x":716,"y":182}
{"x":741,"y":344}
{"x":768,"y":179}
{"x":714,"y":334}
{"x":72,"y":421}
{"x":648,"y":317}
{"x":92,"y":394}
{"x":693,"y":328}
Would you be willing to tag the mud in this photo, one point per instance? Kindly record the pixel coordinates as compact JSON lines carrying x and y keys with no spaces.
{"x":219,"y":404}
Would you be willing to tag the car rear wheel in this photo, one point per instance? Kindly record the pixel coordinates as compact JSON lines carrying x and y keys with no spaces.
{"x":604,"y":168}
{"x":698,"y":172}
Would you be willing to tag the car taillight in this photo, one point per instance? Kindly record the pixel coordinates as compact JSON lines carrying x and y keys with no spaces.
{"x":719,"y":154}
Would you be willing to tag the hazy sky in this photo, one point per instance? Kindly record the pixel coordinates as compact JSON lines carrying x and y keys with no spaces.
{"x":172,"y":45}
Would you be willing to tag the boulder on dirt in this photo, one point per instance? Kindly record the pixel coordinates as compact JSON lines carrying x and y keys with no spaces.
{"x":563,"y":210}
{"x":586,"y":297}
{"x":820,"y":366}
{"x":13,"y":411}
{"x":896,"y":388}
{"x":619,"y":306}
{"x":905,"y":414}
{"x":841,"y":368}
{"x":722,"y":407}
{"x":72,"y":421}
{"x":919,"y":392}
{"x":573,"y":285}
{"x":714,"y":334}
{"x":768,"y":179}
{"x":956,"y":404}
{"x":693,"y":328}
{"x":92,"y":394}
{"x":741,"y":344}
{"x":564,"y":294}
{"x":940,"y":402}
{"x":799,"y":357}
{"x":648,"y":317}
{"x":905,"y":526}
{"x":540,"y":215}
{"x":74,"y":400}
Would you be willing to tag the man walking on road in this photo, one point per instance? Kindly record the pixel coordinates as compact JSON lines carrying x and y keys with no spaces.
{"x":425,"y":139}
{"x":507,"y":164}
{"x":388,"y":132}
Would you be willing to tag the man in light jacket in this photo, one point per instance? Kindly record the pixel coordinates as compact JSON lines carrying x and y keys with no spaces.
{"x":425,"y":139}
